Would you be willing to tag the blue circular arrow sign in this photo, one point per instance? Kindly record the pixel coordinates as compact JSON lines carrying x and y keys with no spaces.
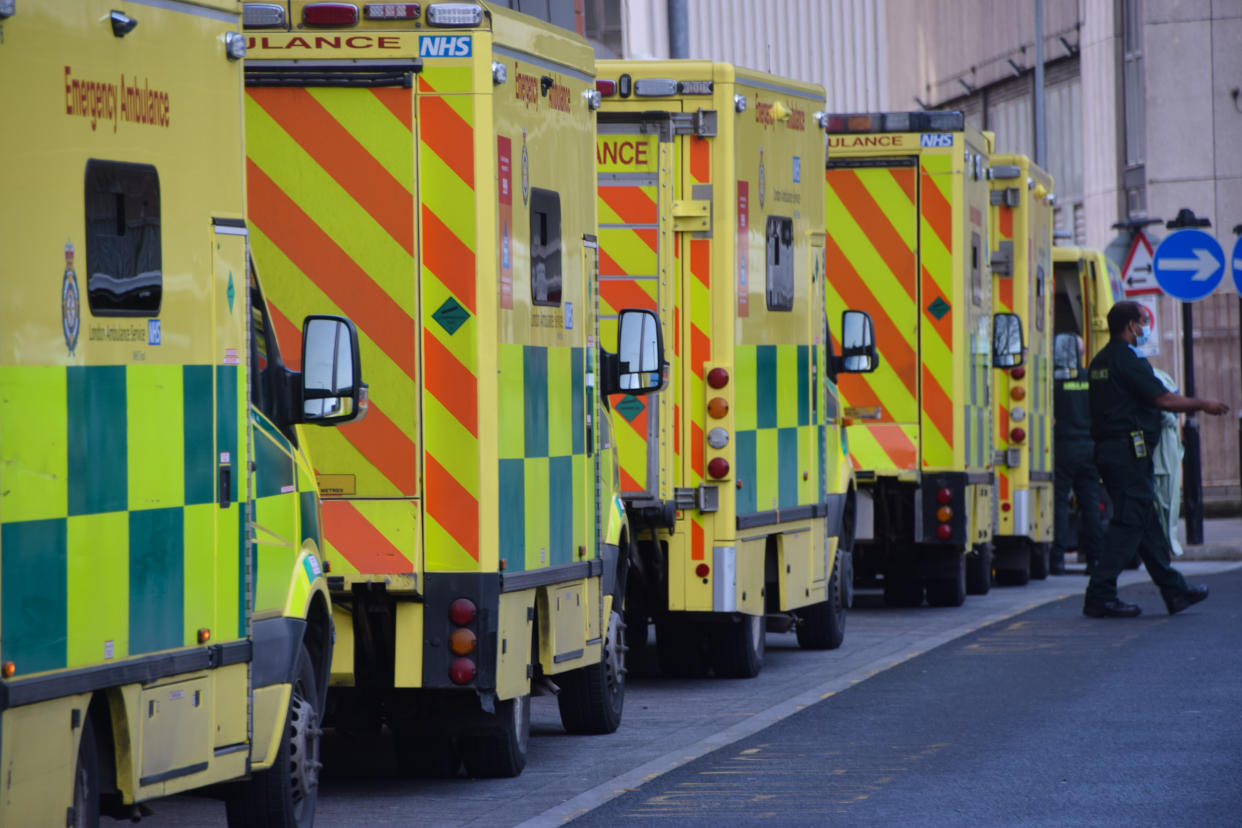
{"x":1237,"y":264}
{"x":1189,"y":264}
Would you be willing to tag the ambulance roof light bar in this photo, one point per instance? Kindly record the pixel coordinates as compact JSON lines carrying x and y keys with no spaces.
{"x":391,"y":11}
{"x":330,"y":14}
{"x":933,"y":121}
{"x":263,"y":16}
{"x":455,"y":15}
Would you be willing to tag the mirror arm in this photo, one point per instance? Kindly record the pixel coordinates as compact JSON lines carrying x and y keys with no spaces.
{"x":609,"y":379}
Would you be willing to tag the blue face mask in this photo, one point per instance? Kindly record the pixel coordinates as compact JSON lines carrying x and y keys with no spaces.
{"x":1144,"y":337}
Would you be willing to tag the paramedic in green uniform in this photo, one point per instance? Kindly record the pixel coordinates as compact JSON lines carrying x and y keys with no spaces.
{"x":1074,"y":456}
{"x":1126,"y":401}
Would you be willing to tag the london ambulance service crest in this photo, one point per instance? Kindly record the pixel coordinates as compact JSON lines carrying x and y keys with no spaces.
{"x":70,"y":310}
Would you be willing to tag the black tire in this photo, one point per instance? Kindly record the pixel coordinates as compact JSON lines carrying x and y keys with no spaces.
{"x":285,"y":795}
{"x":86,"y":779}
{"x":738,"y":646}
{"x":979,"y":570}
{"x":681,"y":647}
{"x":425,"y":751}
{"x":1040,"y":555}
{"x":902,"y":591}
{"x":495,"y":748}
{"x":947,"y":588}
{"x":592,"y":698}
{"x":822,"y":626}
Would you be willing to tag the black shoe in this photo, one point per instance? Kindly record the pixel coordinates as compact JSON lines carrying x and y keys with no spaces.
{"x":1115,"y":608}
{"x":1191,"y":596}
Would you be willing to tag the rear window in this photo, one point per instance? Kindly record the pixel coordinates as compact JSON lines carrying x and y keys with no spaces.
{"x":545,"y":247}
{"x":123,"y":255}
{"x":780,"y":263}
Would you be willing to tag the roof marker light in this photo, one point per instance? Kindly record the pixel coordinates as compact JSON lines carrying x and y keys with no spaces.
{"x":606,"y":88}
{"x":454,"y":15}
{"x":234,"y":45}
{"x":625,"y":85}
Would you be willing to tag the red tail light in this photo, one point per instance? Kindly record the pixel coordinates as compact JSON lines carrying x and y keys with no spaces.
{"x":718,"y":378}
{"x":330,"y":14}
{"x":718,"y":467}
{"x":462,"y":671}
{"x":1017,"y":435}
{"x":943,"y":531}
{"x":944,"y":496}
{"x":1018,"y":373}
{"x":462,"y":611}
{"x":702,"y":569}
{"x":606,"y":88}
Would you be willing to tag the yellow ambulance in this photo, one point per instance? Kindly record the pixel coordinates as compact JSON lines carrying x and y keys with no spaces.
{"x":1021,"y":258}
{"x":1086,"y":285}
{"x":710,"y":210}
{"x":428,"y":170}
{"x":164,"y":618}
{"x":907,"y":240}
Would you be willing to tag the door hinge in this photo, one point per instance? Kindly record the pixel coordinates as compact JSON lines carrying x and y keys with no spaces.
{"x":692,"y":216}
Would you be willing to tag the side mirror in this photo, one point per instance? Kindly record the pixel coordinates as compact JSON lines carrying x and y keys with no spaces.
{"x":858,"y":354}
{"x":1007,"y":345}
{"x":638,"y":366}
{"x":332,"y":388}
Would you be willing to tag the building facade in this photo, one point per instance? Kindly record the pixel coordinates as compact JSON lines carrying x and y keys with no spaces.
{"x":1142,"y":116}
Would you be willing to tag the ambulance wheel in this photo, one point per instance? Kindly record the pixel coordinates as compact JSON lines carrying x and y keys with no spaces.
{"x":496,"y":747}
{"x":1040,"y":554}
{"x":947,"y":587}
{"x":979,"y":569}
{"x":592,"y":698}
{"x":902,"y":591}
{"x":738,"y":645}
{"x":822,"y":626}
{"x":285,"y":794}
{"x":680,"y":647}
{"x":86,"y":779}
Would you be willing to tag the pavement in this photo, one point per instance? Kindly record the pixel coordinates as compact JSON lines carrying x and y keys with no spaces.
{"x":670,"y":723}
{"x":1222,"y":541}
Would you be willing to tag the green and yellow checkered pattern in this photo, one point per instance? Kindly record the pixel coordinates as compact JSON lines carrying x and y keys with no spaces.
{"x":543,"y":459}
{"x":112,"y":542}
{"x":777,"y":440}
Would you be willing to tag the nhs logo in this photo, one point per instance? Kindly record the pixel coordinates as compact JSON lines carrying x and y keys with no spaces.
{"x":937,"y":139}
{"x":455,"y":46}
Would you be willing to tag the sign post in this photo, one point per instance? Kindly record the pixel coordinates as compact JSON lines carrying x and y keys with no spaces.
{"x":1189,"y":264}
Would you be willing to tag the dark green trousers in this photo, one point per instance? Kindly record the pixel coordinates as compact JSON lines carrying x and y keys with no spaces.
{"x":1135,"y":526}
{"x":1076,"y":474}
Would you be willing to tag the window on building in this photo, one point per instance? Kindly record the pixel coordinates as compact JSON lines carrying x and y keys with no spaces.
{"x":780,"y":263}
{"x":123,"y":256}
{"x":602,"y":26}
{"x":545,"y":247}
{"x":1132,"y":95}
